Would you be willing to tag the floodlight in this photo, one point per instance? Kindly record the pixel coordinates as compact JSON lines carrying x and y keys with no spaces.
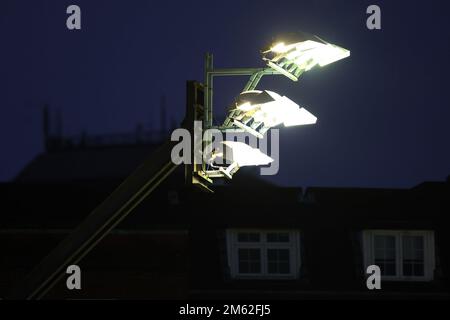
{"x":298,"y":52}
{"x":239,"y":154}
{"x":257,"y":111}
{"x":244,"y":155}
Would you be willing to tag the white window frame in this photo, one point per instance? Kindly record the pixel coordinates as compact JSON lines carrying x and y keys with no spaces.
{"x":233,"y":246}
{"x":429,"y":252}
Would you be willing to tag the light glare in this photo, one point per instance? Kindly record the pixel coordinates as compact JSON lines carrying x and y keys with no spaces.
{"x":294,"y":58}
{"x":244,"y":155}
{"x":258,"y":111}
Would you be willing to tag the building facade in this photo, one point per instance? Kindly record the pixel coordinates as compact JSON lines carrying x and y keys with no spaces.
{"x":249,"y":239}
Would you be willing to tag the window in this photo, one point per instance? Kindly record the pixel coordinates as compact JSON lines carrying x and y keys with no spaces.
{"x":263,"y":254}
{"x":401,"y":255}
{"x":385,"y":254}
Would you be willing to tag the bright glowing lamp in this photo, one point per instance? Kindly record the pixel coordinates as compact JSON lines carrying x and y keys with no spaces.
{"x":298,"y":52}
{"x":244,"y":155}
{"x":257,"y":111}
{"x":240,"y":155}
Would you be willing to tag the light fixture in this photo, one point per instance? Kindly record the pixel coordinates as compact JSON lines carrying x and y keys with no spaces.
{"x":257,"y":111}
{"x":254,"y":111}
{"x":298,"y":52}
{"x":237,"y":155}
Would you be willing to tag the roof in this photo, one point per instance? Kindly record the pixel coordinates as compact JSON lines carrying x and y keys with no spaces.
{"x":111,"y":162}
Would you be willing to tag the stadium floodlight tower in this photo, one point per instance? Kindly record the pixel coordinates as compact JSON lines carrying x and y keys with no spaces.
{"x":256,"y":111}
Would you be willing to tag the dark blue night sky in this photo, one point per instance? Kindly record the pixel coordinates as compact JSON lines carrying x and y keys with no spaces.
{"x":383,"y":114}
